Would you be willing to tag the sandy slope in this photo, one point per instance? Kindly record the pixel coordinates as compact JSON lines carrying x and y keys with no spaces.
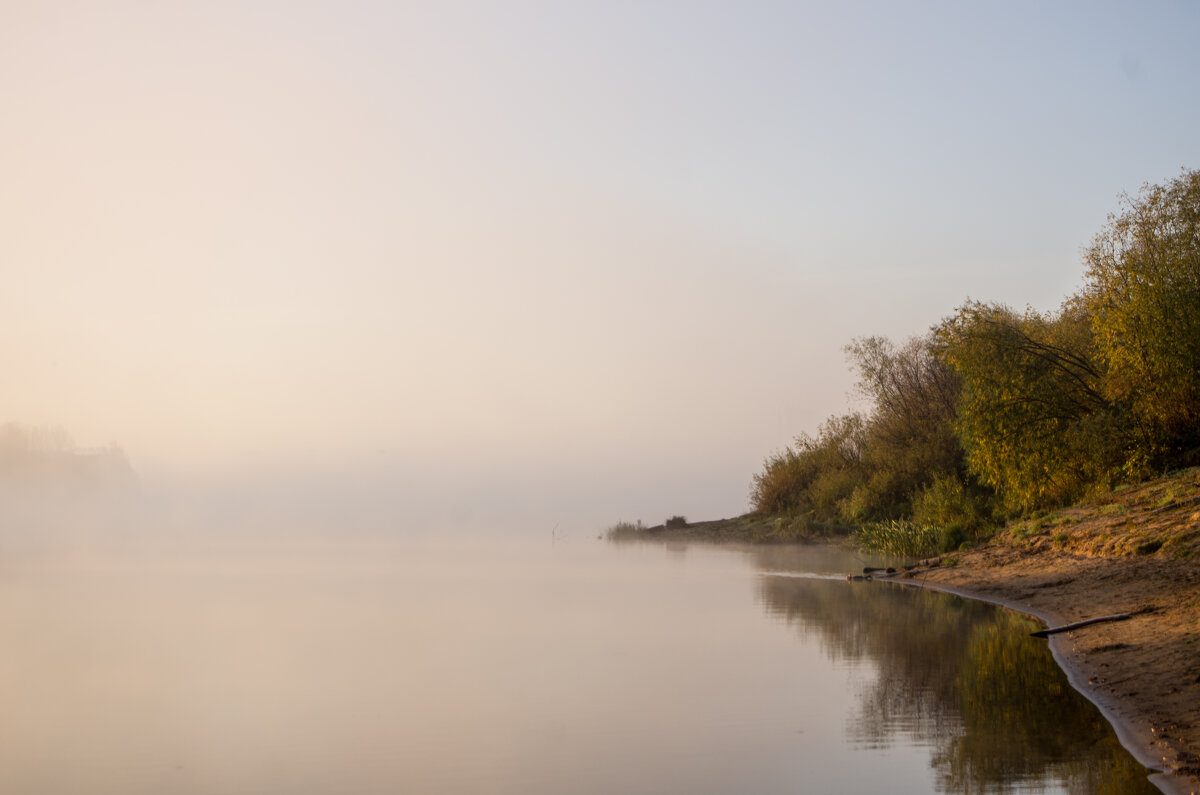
{"x":1144,"y":672}
{"x":1136,"y":551}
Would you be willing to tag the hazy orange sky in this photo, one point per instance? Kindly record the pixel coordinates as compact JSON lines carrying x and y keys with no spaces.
{"x":590,"y":260}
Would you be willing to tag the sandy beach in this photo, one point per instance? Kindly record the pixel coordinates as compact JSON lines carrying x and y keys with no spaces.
{"x":1136,"y":551}
{"x":1144,"y":673}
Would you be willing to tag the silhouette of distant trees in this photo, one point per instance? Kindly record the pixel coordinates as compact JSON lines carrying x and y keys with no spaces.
{"x":34,"y":457}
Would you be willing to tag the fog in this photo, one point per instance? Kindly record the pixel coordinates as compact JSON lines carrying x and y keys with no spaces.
{"x":450,"y":267}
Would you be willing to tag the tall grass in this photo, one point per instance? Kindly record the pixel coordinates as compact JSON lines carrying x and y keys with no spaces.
{"x":899,"y":537}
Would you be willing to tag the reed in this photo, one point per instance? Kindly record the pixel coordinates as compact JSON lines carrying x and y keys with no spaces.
{"x":899,"y":537}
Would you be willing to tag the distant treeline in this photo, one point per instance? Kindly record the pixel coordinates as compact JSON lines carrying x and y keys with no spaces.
{"x":995,"y":412}
{"x":39,"y":458}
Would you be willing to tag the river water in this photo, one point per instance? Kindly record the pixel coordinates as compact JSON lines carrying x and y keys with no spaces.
{"x":499,"y":666}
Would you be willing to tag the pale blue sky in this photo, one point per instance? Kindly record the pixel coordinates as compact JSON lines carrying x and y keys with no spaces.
{"x":579,"y":260}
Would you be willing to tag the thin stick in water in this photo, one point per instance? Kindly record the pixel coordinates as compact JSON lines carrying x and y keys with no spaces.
{"x":1045,"y":633}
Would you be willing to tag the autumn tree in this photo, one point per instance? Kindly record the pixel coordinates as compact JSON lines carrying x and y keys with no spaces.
{"x":867,"y":466}
{"x":1143,"y":294}
{"x":909,"y":437}
{"x":1032,"y":417}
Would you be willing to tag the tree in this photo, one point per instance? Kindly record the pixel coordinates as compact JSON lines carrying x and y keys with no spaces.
{"x":1032,"y":416}
{"x":815,"y":475}
{"x":861,"y":468}
{"x":912,"y":391}
{"x":909,"y":437}
{"x":1143,"y":293}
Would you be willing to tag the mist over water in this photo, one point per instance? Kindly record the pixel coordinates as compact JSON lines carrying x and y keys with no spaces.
{"x":302,"y":632}
{"x":367,"y":318}
{"x":212,"y":652}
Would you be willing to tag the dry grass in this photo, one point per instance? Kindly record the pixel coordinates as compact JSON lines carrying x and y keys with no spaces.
{"x":1160,"y":517}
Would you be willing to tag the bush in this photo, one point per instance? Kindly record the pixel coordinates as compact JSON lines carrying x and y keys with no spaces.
{"x":675,"y":523}
{"x":815,"y":476}
{"x":862,"y":468}
{"x":779,"y":490}
{"x":952,"y":538}
{"x":625,"y":530}
{"x":947,"y":501}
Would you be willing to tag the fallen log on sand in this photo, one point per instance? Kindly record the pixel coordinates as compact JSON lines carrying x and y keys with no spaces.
{"x":1045,"y":633}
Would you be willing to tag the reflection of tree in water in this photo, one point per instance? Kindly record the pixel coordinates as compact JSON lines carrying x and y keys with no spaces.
{"x":964,"y":677}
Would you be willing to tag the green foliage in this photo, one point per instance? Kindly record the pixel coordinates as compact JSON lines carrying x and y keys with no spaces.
{"x":1143,"y":292}
{"x":951,"y":538}
{"x":999,"y":411}
{"x":899,"y":537}
{"x":949,"y":502}
{"x":813,"y":477}
{"x":869,"y":468}
{"x":1032,"y":418}
{"x":909,"y":437}
{"x":912,"y":391}
{"x":779,"y":488}
{"x":675,"y":522}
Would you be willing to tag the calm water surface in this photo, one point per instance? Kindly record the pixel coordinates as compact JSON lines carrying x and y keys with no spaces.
{"x":518,"y":667}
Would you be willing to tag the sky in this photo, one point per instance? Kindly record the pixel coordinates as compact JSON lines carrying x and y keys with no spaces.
{"x":538,"y":263}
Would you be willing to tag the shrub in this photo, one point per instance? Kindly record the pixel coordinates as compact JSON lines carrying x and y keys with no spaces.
{"x":675,"y":522}
{"x":949,"y":502}
{"x":780,"y":488}
{"x":869,"y":467}
{"x":625,"y":530}
{"x":815,"y":475}
{"x":951,"y":538}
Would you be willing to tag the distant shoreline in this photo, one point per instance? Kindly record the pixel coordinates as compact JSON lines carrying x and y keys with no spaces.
{"x":746,"y":529}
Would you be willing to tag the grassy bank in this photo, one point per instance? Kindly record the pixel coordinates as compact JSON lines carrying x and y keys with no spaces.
{"x":1157,"y":517}
{"x":1160,"y":518}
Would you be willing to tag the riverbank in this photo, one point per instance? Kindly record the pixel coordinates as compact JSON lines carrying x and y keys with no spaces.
{"x":1134,"y":551}
{"x":1144,"y":673}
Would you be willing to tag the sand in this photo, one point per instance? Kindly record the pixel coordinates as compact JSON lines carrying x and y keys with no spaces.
{"x":1143,"y":673}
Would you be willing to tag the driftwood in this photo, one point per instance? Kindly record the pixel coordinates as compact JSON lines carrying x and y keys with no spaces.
{"x":1045,"y":633}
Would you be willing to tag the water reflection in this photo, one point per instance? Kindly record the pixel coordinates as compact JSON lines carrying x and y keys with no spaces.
{"x":964,"y":678}
{"x":215,"y":667}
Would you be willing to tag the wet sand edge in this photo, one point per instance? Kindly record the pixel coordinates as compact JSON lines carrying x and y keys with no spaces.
{"x":1137,"y":721}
